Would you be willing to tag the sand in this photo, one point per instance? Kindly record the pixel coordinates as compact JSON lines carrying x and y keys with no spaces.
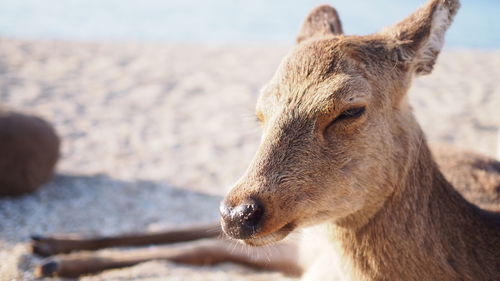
{"x":154,"y":134}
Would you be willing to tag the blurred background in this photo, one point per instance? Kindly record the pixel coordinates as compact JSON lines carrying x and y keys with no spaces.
{"x":224,"y":21}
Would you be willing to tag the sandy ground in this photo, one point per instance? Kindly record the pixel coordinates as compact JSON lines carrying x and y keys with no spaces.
{"x":154,"y":135}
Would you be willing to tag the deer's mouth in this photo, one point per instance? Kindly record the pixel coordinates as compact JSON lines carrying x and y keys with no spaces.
{"x":271,"y":237}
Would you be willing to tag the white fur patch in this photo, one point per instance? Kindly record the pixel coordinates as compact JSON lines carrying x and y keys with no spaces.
{"x":427,"y":55}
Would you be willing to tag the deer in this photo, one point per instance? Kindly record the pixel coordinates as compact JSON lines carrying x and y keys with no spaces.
{"x":343,"y":162}
{"x":29,"y":152}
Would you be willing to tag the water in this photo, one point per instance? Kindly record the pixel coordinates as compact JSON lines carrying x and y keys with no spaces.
{"x":225,"y":21}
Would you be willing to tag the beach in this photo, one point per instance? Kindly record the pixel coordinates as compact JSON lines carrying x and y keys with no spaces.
{"x":154,"y":134}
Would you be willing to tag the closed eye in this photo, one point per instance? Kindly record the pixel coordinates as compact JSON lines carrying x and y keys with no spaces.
{"x":352,"y":113}
{"x":347,"y":115}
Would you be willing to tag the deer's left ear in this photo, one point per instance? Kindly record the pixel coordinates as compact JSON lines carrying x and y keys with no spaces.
{"x":321,"y":21}
{"x":419,"y":38}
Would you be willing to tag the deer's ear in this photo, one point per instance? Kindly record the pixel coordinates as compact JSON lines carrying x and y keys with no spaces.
{"x":420,"y":37}
{"x":322,"y":20}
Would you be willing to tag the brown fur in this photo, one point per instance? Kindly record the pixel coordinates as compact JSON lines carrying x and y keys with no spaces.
{"x":29,"y":151}
{"x":372,"y":180}
{"x":475,"y":176}
{"x":371,"y":199}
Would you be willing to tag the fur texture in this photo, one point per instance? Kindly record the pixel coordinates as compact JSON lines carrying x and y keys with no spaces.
{"x":370,"y":180}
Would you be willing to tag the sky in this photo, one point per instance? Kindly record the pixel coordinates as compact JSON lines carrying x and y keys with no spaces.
{"x":225,"y":21}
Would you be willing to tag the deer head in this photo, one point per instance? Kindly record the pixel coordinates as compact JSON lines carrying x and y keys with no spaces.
{"x":338,"y":133}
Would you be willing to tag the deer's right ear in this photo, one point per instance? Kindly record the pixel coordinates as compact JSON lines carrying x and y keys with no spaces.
{"x":419,"y":38}
{"x":322,"y":20}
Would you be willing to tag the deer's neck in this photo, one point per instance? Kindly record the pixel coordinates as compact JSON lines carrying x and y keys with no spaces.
{"x":424,"y":231}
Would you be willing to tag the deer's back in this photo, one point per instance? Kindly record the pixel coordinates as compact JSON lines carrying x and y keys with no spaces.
{"x":475,"y":176}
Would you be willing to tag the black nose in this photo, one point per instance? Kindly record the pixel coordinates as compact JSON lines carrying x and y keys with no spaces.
{"x":242,"y":221}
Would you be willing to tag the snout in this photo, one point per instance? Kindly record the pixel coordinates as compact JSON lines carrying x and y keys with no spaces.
{"x":242,"y":221}
{"x":254,"y":222}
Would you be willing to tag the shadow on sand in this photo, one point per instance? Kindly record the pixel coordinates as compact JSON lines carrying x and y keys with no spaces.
{"x":99,"y":205}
